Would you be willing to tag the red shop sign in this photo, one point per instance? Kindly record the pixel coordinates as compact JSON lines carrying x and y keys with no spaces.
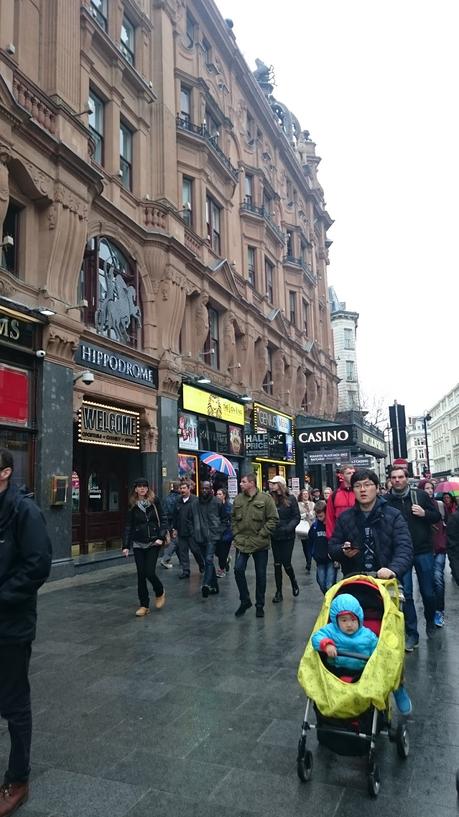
{"x":14,"y":396}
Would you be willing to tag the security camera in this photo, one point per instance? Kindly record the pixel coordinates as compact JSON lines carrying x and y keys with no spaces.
{"x":40,"y":353}
{"x":87,"y":377}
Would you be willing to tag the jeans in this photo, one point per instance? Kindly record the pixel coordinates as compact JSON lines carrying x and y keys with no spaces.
{"x":207,"y":552}
{"x":307,"y":550}
{"x":169,"y":550}
{"x":15,"y":708}
{"x":185,"y":544}
{"x":439,"y":581}
{"x":260,"y":557}
{"x":326,"y":576}
{"x":145,"y":561}
{"x":423,"y":565}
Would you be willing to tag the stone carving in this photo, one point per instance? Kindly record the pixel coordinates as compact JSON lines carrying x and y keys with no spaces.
{"x":40,"y":180}
{"x":148,"y":431}
{"x":229,"y":344}
{"x":201,"y":320}
{"x":4,"y":190}
{"x":61,"y":344}
{"x":6,"y":288}
{"x":261,"y":361}
{"x":170,"y":378}
{"x":117,"y":307}
{"x":300,"y":390}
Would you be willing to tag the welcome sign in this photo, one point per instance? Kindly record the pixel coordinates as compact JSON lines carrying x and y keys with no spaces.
{"x":106,"y":425}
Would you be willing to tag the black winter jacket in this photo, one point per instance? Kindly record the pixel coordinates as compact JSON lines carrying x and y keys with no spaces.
{"x":289,"y":518}
{"x":143,"y":526}
{"x":185,"y":519}
{"x":420,"y":526}
{"x":452,"y":545}
{"x":210,"y":521}
{"x":393,"y":545}
{"x":25,"y":562}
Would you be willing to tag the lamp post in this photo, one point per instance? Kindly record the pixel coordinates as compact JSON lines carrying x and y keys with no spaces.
{"x":427,"y":417}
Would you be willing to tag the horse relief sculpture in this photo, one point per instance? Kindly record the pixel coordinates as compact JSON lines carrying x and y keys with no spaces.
{"x":117,"y":307}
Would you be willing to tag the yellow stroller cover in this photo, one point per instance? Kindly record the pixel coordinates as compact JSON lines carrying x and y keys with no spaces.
{"x":382,"y":674}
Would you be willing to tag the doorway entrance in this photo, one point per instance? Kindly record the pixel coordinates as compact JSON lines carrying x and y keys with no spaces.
{"x":99,"y":498}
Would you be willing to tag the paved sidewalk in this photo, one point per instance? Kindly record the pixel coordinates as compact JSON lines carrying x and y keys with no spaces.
{"x":193,"y":713}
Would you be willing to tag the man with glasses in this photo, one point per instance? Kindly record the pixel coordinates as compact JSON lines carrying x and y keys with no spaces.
{"x":25,"y":562}
{"x":371,"y":537}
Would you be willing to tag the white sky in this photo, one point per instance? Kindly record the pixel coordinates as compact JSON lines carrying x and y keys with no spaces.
{"x":376,"y":84}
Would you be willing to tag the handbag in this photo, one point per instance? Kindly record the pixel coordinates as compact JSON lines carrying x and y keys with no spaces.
{"x":159,"y":523}
{"x":302,"y":529}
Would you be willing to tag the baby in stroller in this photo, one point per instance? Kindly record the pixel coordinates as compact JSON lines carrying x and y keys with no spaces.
{"x":347,"y":632}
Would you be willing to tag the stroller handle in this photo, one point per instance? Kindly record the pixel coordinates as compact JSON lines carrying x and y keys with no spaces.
{"x":345,"y":654}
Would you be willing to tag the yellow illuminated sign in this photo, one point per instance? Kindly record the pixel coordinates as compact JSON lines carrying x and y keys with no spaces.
{"x":212,"y":405}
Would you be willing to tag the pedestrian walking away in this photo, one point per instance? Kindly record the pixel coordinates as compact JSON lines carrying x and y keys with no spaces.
{"x":185,"y":524}
{"x":25,"y":562}
{"x":170,"y":547}
{"x":340,"y":500}
{"x":452,"y":544}
{"x":145,"y":533}
{"x":253,"y":520}
{"x":307,"y":517}
{"x":326,"y":569}
{"x":283,"y":535}
{"x":207,"y":534}
{"x":226,"y":534}
{"x":439,"y":544}
{"x":420,"y":513}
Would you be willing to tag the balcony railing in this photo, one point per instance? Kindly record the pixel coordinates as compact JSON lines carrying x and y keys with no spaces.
{"x":248,"y":207}
{"x":183,"y":123}
{"x":300,"y":262}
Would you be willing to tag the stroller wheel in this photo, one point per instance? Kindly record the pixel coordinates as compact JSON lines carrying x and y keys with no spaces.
{"x":304,"y":766}
{"x":403,"y":741}
{"x":374,"y":781}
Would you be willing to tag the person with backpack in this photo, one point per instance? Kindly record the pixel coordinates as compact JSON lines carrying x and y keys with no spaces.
{"x":420,"y":513}
{"x":340,"y":500}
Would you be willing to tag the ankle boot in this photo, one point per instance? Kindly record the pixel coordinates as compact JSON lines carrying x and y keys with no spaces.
{"x":278,"y":577}
{"x":277,"y":597}
{"x":290,"y":573}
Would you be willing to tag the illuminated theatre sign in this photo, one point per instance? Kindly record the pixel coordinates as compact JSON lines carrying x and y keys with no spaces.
{"x":326,"y":435}
{"x":106,"y":425}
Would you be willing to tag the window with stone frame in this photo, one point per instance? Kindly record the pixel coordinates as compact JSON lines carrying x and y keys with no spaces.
{"x":213,"y":213}
{"x":110,"y":284}
{"x":127,"y":40}
{"x":211,"y":352}
{"x":96,"y":124}
{"x":268,"y":384}
{"x":251,"y":265}
{"x":10,"y":239}
{"x":99,"y":12}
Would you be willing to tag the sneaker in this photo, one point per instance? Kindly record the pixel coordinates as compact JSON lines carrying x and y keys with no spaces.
{"x":220,"y":573}
{"x":403,"y":701}
{"x":160,"y":601}
{"x":12,"y":795}
{"x":228,"y":564}
{"x":260,"y":613}
{"x":277,"y":597}
{"x":439,"y":618}
{"x":142,"y":611}
{"x":411,"y":643}
{"x":243,"y":607}
{"x":167,"y":565}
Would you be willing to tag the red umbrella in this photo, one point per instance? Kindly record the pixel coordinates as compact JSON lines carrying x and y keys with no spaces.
{"x":447,"y":488}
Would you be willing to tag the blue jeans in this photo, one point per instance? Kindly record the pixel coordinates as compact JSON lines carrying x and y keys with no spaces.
{"x":210,"y":577}
{"x":326,"y":576}
{"x":260,"y":557}
{"x":439,"y":581}
{"x":424,"y":567}
{"x":169,"y":550}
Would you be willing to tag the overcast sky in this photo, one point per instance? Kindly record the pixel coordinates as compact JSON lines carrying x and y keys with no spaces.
{"x":376,"y":84}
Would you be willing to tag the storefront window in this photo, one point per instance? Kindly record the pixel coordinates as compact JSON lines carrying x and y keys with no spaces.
{"x":75,"y":492}
{"x":14,"y":395}
{"x":96,"y":494}
{"x":18,"y":443}
{"x":113,"y":493}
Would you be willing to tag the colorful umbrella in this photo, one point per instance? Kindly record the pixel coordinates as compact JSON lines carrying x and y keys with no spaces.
{"x":446,"y":488}
{"x":219,"y":462}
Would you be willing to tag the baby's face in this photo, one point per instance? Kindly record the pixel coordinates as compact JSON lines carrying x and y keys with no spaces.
{"x":348,"y":624}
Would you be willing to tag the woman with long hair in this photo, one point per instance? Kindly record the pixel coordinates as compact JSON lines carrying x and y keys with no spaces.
{"x":307,"y":515}
{"x":226,"y":537}
{"x":145,"y":532}
{"x":283,"y":537}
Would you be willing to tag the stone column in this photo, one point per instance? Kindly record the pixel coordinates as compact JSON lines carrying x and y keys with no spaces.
{"x":54,"y":457}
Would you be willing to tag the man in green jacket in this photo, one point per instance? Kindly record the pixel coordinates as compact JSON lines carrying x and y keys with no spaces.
{"x":254,"y":518}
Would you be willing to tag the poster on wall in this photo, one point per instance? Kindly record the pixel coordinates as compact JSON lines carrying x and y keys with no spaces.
{"x":188,"y":469}
{"x":236,"y":441}
{"x":188,"y":431}
{"x":233,"y":489}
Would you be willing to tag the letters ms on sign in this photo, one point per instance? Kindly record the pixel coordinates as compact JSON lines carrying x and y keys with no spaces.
{"x":326,"y":436}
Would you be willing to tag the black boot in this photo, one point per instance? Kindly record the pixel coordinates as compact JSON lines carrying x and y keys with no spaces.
{"x":291,"y":574}
{"x":278,"y":577}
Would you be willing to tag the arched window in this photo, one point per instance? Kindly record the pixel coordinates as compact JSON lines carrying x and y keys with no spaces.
{"x":109,"y":283}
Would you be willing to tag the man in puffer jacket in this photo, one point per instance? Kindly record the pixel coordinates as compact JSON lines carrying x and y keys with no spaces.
{"x":25,"y":562}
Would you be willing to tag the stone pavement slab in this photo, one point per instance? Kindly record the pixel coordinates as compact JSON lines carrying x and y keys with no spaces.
{"x":193,"y":712}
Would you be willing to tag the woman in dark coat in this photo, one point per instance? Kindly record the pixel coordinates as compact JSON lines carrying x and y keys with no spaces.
{"x":145,"y":533}
{"x":283,"y":537}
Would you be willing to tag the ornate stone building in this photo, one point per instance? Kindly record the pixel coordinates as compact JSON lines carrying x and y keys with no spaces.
{"x":161,"y":220}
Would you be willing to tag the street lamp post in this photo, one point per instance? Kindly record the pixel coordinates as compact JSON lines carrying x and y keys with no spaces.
{"x":427,"y":417}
